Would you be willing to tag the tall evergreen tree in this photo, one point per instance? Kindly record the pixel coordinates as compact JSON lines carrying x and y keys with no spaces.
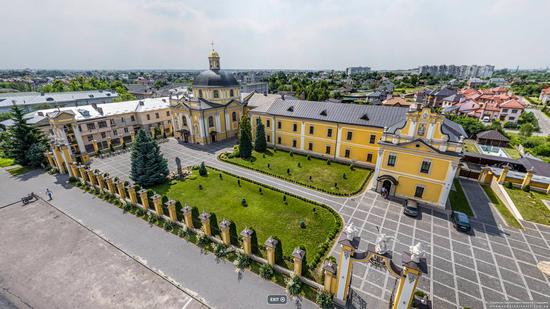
{"x":21,"y":137}
{"x":149,"y":167}
{"x":245,"y":137}
{"x":260,"y":144}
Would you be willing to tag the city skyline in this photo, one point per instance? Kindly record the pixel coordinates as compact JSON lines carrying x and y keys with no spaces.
{"x":149,"y":35}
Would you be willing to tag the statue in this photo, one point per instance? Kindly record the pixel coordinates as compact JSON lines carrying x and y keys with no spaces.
{"x":417,"y":252}
{"x":351,"y":232}
{"x":381,"y":243}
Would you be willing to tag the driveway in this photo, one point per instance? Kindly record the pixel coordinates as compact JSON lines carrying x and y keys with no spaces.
{"x":544,"y":121}
{"x":495,"y":263}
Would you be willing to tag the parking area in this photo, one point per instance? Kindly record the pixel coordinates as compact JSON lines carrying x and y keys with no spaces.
{"x":492,"y":264}
{"x":50,"y":261}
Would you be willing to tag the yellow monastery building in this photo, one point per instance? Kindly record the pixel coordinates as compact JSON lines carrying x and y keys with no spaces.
{"x":415,"y":152}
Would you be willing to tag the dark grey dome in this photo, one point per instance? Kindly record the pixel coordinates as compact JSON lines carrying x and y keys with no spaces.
{"x":211,"y":78}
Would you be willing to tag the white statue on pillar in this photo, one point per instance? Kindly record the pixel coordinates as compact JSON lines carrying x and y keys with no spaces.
{"x":350,"y":231}
{"x":381,"y":243}
{"x":417,"y":252}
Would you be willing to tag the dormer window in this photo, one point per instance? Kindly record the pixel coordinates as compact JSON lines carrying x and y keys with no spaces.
{"x":421,"y":129}
{"x":365,"y":117}
{"x":216,"y":94}
{"x":290,"y":109}
{"x":324,"y":112}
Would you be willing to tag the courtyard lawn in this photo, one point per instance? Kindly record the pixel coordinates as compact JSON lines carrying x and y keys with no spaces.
{"x":18,"y":170}
{"x":530,"y":205}
{"x":470,"y":146}
{"x":266,"y":212}
{"x":512,"y":152}
{"x":4,"y":162}
{"x":504,"y":212}
{"x":314,"y":173}
{"x":458,"y":200}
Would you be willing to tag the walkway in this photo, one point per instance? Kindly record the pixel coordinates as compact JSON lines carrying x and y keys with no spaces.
{"x":215,"y":282}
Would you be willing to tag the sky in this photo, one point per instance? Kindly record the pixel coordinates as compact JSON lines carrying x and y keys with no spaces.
{"x":273,"y":34}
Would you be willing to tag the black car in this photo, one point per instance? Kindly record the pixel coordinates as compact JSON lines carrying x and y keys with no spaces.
{"x":461,"y":221}
{"x":411,"y":208}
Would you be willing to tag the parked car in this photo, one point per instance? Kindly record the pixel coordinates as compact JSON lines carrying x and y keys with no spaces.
{"x":486,"y":119}
{"x":411,"y":208}
{"x":461,"y":221}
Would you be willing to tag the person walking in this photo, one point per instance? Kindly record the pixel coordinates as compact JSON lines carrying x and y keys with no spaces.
{"x":49,"y":193}
{"x":383,"y":192}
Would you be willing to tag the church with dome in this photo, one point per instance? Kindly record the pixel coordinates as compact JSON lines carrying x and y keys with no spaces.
{"x":213,"y":111}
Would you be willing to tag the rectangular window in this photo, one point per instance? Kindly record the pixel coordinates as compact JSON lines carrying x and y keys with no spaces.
{"x":349,"y":135}
{"x":514,"y":111}
{"x":157,"y":115}
{"x":115,"y":132}
{"x":267,"y":123}
{"x":79,"y":128}
{"x":167,"y":113}
{"x":90,"y":138}
{"x":419,"y":191}
{"x":102,"y":124}
{"x":278,"y":140}
{"x":269,"y":139}
{"x":346,"y":153}
{"x":372,"y":138}
{"x":511,"y":118}
{"x":327,"y":149}
{"x":148,"y":117}
{"x":132,"y":118}
{"x":391,"y":160}
{"x":121,"y":119}
{"x":125,"y":130}
{"x":369,"y":157}
{"x":310,"y":129}
{"x":425,"y":167}
{"x":310,"y":147}
{"x":505,"y":110}
{"x":278,"y":124}
{"x":103,"y":135}
{"x":294,"y":143}
{"x":329,"y":132}
{"x":90,"y":126}
{"x":112,"y":121}
{"x":294,"y":127}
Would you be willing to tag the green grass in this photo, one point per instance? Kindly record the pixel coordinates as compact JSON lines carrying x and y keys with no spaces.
{"x":534,"y":100}
{"x":459,"y":201}
{"x":470,"y":146}
{"x":266,"y":212}
{"x":504,"y":212}
{"x":512,"y":152}
{"x":18,"y":170}
{"x":323,"y":176}
{"x":4,"y":162}
{"x":530,"y":205}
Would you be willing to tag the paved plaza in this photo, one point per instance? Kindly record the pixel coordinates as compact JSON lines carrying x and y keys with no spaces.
{"x":494,"y":263}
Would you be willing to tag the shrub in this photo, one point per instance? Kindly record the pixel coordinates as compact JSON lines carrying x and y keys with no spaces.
{"x":324,"y":300}
{"x":220,"y":250}
{"x":351,"y":167}
{"x":308,"y":157}
{"x":527,"y":188}
{"x":344,"y":176}
{"x":328,"y":161}
{"x":244,"y":203}
{"x":294,"y":286}
{"x":268,"y":165}
{"x":260,"y":190}
{"x":288,"y":171}
{"x":299,"y":164}
{"x":266,"y":271}
{"x":203,"y":240}
{"x":302,"y":224}
{"x":221,"y":177}
{"x":202,"y":169}
{"x":509,"y":185}
{"x":291,"y":154}
{"x":242,"y":261}
{"x":200,"y":187}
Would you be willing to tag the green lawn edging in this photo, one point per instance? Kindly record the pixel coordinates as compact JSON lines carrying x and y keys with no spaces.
{"x":223,"y":157}
{"x":458,"y":199}
{"x":499,"y":205}
{"x":530,"y":205}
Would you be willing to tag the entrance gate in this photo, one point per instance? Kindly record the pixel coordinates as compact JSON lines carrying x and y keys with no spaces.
{"x":378,"y":255}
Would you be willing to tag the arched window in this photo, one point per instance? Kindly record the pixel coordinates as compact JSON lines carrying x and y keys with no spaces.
{"x":184,"y":120}
{"x":216,"y":94}
{"x":210,"y":121}
{"x":200,"y":93}
{"x":231,"y":92}
{"x":234,"y":116}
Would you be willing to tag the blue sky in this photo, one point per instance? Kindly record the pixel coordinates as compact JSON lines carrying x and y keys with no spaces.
{"x":307,"y":34}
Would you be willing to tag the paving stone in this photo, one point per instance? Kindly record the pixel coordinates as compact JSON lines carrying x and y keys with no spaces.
{"x":406,"y":230}
{"x":422,"y":235}
{"x":506,"y":262}
{"x":443,"y":253}
{"x":537,"y":286}
{"x":441,"y":231}
{"x":444,"y":292}
{"x":490,"y":282}
{"x":483,"y":255}
{"x":530,"y":270}
{"x":443,"y":242}
{"x":405,"y":239}
{"x":516,"y":291}
{"x":501,"y":249}
{"x":373,"y":289}
{"x":443,"y":277}
{"x":541,"y":251}
{"x":468,"y":301}
{"x":541,"y":297}
{"x":480,"y":243}
{"x":492,"y":296}
{"x":464,"y":260}
{"x":439,"y":303}
{"x":442,"y":264}
{"x":465,"y":273}
{"x":486,"y":268}
{"x":517,"y":244}
{"x":461,"y":247}
{"x":510,"y":276}
{"x":524,"y":256}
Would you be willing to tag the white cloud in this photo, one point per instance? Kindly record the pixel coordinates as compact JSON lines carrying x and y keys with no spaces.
{"x":172,"y":34}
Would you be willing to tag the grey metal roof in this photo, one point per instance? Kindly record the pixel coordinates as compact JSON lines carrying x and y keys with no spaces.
{"x":366,"y":115}
{"x":493,"y":135}
{"x":216,"y":78}
{"x":453,"y":129}
{"x":54,"y":97}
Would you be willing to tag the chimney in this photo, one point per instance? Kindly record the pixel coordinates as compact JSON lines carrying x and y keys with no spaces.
{"x":40,"y":113}
{"x":141,"y":103}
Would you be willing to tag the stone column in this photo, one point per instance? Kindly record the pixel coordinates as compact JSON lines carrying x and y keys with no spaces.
{"x":527,"y":178}
{"x":121,"y":190}
{"x":100,"y":181}
{"x":110,"y":185}
{"x":329,"y":269}
{"x":74,"y":170}
{"x":91,"y":177}
{"x":152,"y":129}
{"x":144,"y":198}
{"x":96,"y":147}
{"x":109,"y":142}
{"x":225,"y":227}
{"x":205,"y":220}
{"x":68,"y":158}
{"x":51,"y":161}
{"x":247,"y":241}
{"x":132,"y":194}
{"x":298,"y":255}
{"x":171,"y":204}
{"x":83,"y":173}
{"x":503,"y":174}
{"x":158,"y":205}
{"x":270,"y":246}
{"x":59,"y":159}
{"x":187,"y":216}
{"x":162,"y":130}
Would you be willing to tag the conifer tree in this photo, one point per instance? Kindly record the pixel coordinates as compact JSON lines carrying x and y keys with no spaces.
{"x":149,"y":167}
{"x":260,"y":144}
{"x":245,"y":137}
{"x":21,"y":137}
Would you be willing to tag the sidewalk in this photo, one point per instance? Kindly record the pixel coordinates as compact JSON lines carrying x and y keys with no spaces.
{"x":198,"y":274}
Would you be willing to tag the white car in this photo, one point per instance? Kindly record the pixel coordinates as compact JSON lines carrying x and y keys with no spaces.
{"x":486,"y":119}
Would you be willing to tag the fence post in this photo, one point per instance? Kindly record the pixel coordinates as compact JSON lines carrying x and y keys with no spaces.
{"x":187,"y":216}
{"x":205,"y":220}
{"x":224,"y":227}
{"x":247,"y":241}
{"x":298,"y":255}
{"x":157,"y":203}
{"x":270,"y":245}
{"x":144,"y":198}
{"x":171,"y":204}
